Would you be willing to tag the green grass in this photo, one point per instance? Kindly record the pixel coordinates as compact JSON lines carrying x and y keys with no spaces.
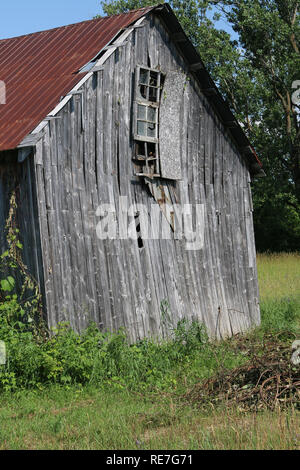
{"x":279,"y":285}
{"x":86,"y":397}
{"x":279,"y":276}
{"x":88,"y":419}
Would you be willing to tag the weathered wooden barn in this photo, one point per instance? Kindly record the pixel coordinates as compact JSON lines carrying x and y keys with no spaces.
{"x":124,"y":107}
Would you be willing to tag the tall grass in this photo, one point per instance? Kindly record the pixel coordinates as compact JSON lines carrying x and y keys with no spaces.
{"x":279,"y":276}
{"x":279,"y":285}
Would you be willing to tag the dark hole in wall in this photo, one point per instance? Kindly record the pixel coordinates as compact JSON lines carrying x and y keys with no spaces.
{"x":138,"y":230}
{"x":94,"y":81}
{"x":117,"y":55}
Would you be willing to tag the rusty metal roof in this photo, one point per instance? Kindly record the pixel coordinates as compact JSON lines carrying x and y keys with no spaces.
{"x":39,"y":68}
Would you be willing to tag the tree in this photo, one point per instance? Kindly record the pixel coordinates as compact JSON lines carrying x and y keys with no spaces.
{"x":269,"y":33}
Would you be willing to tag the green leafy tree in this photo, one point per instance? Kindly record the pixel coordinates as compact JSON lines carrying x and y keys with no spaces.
{"x":269,"y":34}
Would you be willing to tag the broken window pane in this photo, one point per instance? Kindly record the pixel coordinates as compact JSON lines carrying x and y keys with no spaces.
{"x":151,"y":149}
{"x":153,"y":94}
{"x":144,"y":76}
{"x":144,"y":91}
{"x":151,"y":130}
{"x":140,"y":149}
{"x":153,"y":79}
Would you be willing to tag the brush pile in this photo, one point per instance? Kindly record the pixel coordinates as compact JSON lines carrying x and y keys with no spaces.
{"x":267,"y":380}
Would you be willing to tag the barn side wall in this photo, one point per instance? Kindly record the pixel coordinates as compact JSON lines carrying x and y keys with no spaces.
{"x":81,"y":164}
{"x":19,"y":179}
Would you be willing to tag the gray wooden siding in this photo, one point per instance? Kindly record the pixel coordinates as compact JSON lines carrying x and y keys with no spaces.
{"x":81,"y":164}
{"x":20,"y":178}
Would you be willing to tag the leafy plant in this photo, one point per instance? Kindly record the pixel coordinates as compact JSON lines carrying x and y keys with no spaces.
{"x":19,"y":304}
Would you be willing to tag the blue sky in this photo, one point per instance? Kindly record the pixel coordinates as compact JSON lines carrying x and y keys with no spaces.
{"x":19,"y":17}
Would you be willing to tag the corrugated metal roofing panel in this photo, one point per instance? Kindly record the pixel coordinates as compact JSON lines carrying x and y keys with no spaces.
{"x":39,"y":68}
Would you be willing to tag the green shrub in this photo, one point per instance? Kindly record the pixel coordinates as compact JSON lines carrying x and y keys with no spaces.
{"x":95,"y":357}
{"x":67,"y":358}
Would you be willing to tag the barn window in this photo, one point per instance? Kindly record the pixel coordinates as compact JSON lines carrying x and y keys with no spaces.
{"x":146,"y":121}
{"x":158,"y":111}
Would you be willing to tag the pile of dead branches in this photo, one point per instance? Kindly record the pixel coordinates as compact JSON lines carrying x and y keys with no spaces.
{"x":267,"y":380}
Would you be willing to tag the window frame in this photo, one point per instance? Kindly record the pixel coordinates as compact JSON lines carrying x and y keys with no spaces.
{"x":148,"y":163}
{"x":140,"y":100}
